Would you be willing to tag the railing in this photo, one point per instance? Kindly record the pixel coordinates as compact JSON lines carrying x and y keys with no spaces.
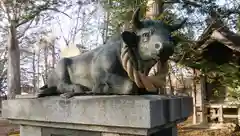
{"x":217,"y":111}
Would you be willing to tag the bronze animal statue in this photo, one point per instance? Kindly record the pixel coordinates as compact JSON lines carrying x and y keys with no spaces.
{"x":104,"y":70}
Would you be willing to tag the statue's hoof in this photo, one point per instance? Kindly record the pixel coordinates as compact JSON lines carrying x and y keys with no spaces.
{"x":67,"y":95}
{"x":38,"y":95}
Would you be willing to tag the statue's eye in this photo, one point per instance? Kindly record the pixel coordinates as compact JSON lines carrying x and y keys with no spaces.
{"x":145,"y":37}
{"x":145,"y":34}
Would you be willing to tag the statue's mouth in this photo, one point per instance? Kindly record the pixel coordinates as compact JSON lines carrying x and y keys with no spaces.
{"x":157,"y":58}
{"x":162,"y":58}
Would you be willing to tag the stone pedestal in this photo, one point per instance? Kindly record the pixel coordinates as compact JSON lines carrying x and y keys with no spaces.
{"x":147,"y":115}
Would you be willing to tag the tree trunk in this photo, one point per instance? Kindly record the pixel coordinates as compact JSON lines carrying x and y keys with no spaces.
{"x":194,"y":95}
{"x":155,"y":8}
{"x":182,"y":78}
{"x":34,"y":72}
{"x":203,"y":81}
{"x":106,"y":24}
{"x":170,"y":83}
{"x":38,"y":69}
{"x":13,"y":81}
{"x":53,"y":56}
{"x":46,"y":63}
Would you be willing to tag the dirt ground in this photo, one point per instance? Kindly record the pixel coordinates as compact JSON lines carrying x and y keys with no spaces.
{"x":202,"y":132}
{"x":6,"y":127}
{"x":205,"y":132}
{"x":183,"y":130}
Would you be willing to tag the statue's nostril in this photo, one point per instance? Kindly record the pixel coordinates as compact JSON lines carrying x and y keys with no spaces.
{"x":157,"y":46}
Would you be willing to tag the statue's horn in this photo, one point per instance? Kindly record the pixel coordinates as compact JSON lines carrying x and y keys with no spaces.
{"x":177,"y":26}
{"x":135,"y":18}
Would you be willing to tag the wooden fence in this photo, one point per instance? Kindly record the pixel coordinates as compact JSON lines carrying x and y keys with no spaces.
{"x":221,"y":112}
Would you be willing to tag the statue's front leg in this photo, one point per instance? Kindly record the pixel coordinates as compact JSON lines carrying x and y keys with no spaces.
{"x":47,"y":91}
{"x":100,"y":87}
{"x":123,"y":85}
{"x":114,"y":84}
{"x":69,"y":90}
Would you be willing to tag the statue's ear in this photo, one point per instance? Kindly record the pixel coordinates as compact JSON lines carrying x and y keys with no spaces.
{"x":130,"y":38}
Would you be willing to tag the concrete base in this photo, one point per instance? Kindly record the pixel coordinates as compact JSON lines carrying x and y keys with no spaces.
{"x":147,"y":115}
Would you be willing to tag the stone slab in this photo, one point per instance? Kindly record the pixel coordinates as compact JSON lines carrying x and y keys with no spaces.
{"x":146,"y":111}
{"x":30,"y":131}
{"x":186,"y":106}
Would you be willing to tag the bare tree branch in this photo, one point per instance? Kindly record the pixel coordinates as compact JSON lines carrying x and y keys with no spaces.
{"x":186,"y":2}
{"x":64,"y":38}
{"x":56,"y":10}
{"x":220,"y":11}
{"x":26,"y":28}
{"x":5,"y":9}
{"x":87,"y":20}
{"x":38,"y":13}
{"x":73,"y":36}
